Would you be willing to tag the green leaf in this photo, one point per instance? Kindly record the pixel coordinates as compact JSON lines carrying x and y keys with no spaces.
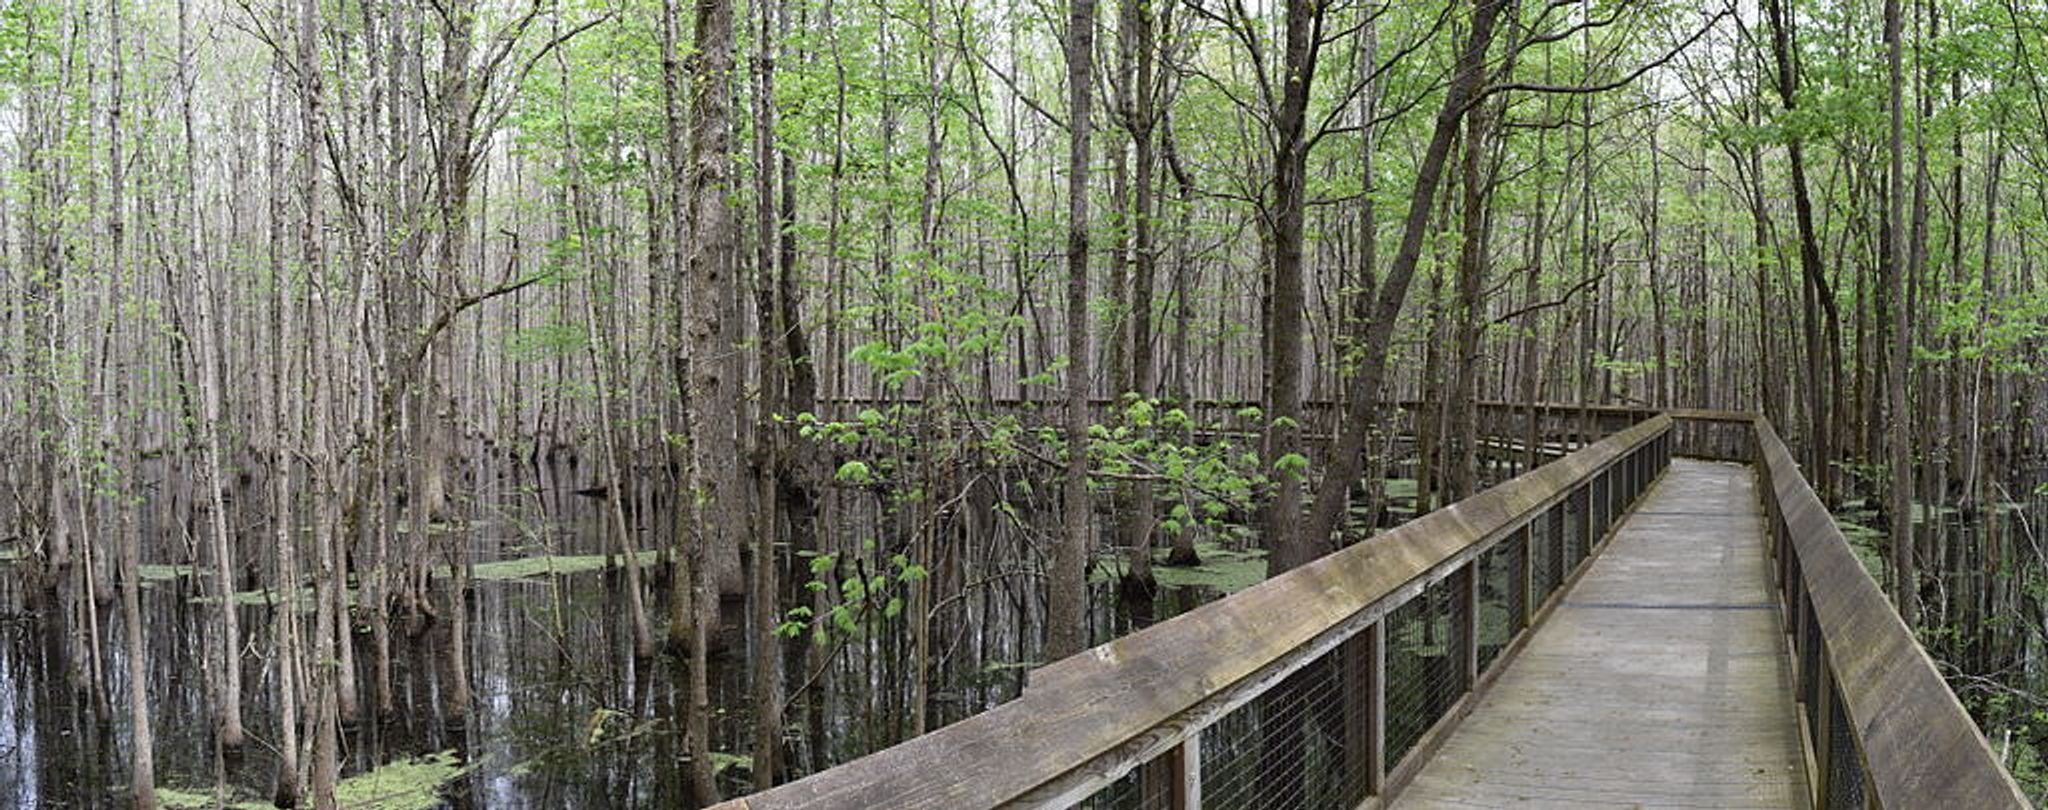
{"x":1292,"y":463}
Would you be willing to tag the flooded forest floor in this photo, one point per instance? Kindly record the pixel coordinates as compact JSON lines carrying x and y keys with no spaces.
{"x":564,"y":716}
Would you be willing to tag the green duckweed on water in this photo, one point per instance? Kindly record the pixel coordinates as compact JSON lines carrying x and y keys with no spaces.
{"x":177,"y":799}
{"x":721,"y":760}
{"x":303,"y":599}
{"x":495,"y":571}
{"x":163,"y":572}
{"x":407,"y":784}
{"x":1227,"y":570}
{"x":543,"y":565}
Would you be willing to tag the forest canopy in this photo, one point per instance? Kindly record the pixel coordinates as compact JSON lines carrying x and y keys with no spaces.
{"x":797,"y":374}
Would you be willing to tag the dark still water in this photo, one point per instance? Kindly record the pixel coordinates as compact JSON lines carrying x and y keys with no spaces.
{"x":562,"y":715}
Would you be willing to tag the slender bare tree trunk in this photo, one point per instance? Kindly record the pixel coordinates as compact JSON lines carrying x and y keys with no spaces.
{"x":1361,"y":408}
{"x":1474,"y":267}
{"x":1898,"y":439}
{"x":328,"y":580}
{"x":1286,"y":213}
{"x":1067,"y":600}
{"x":768,"y":434}
{"x":714,"y":395}
{"x":283,"y":433}
{"x":1817,"y":295}
{"x":1662,"y":393}
{"x":208,"y":345}
{"x":1136,"y":21}
{"x":142,"y":743}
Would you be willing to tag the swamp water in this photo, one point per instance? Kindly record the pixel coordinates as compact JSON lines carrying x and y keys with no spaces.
{"x":562,"y":715}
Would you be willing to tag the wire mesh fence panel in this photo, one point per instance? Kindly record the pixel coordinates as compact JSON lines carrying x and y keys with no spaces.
{"x":1300,"y":744}
{"x":1574,"y":529}
{"x":1545,"y":569}
{"x":1425,"y":670}
{"x":1845,"y":767}
{"x":1500,"y":598}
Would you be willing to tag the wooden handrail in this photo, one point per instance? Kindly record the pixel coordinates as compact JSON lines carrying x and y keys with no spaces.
{"x":1087,"y":720}
{"x":1918,"y":748}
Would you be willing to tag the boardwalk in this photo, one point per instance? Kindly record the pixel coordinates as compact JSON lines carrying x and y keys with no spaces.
{"x":1659,"y":678}
{"x":1662,"y":680}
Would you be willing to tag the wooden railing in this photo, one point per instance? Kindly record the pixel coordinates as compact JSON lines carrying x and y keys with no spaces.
{"x":1326,"y":686}
{"x":1881,"y":727}
{"x":1332,"y":684}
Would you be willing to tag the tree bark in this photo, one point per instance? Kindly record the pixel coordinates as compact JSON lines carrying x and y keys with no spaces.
{"x":1285,"y":460}
{"x":1898,"y":439}
{"x":714,"y":395}
{"x":1362,"y":401}
{"x":1818,"y":295}
{"x":1067,"y":599}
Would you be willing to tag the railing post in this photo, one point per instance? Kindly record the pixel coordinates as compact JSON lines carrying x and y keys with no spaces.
{"x":1650,"y":464}
{"x":1608,"y":510}
{"x":1823,"y":741}
{"x":1643,"y":473}
{"x":1558,"y":554}
{"x":1355,"y":678}
{"x":1468,"y":618}
{"x":1376,"y":708}
{"x":1593,"y":511}
{"x":1185,"y":764}
{"x":1606,"y":502}
{"x":1527,"y":576}
{"x":1631,"y":470}
{"x":1582,"y":534}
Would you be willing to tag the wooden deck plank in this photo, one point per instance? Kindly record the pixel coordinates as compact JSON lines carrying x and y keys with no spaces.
{"x":1661,"y":681}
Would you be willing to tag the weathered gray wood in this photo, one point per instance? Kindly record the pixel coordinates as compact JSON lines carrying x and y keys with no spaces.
{"x":1376,"y":696}
{"x":1089,"y":719}
{"x":1920,"y":747}
{"x":1187,"y":765}
{"x":1467,"y":614}
{"x":1659,"y":680}
{"x":1673,"y":688}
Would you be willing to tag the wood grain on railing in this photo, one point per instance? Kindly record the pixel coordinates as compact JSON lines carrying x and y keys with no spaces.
{"x":1089,"y":719}
{"x":1919,"y":747}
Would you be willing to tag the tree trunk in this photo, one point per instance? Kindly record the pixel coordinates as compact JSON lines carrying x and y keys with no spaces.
{"x":1285,"y":461}
{"x":1067,"y":598}
{"x":714,"y":394}
{"x":1137,"y":35}
{"x":1361,"y":408}
{"x":1899,"y":448}
{"x":142,"y":743}
{"x":1473,"y":268}
{"x":1818,"y":296}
